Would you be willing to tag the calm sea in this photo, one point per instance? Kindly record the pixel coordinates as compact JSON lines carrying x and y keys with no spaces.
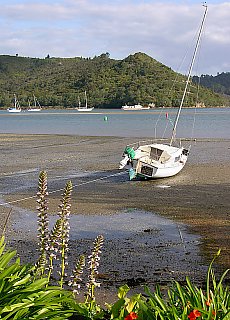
{"x":193,"y":123}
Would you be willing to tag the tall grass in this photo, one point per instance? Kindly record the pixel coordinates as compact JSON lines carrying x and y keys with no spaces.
{"x":180,"y":303}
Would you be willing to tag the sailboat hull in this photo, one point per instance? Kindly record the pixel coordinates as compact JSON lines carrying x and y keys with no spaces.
{"x":84,"y":109}
{"x":13,"y":110}
{"x":154,"y":161}
{"x":36,"y":107}
{"x":156,"y":172}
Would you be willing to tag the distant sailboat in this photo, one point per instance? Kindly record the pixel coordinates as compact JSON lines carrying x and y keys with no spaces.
{"x":85,"y":108}
{"x":160,"y":160}
{"x":36,"y":106}
{"x":16,"y":107}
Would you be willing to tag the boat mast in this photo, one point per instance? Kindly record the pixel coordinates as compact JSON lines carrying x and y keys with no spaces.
{"x":35,"y":105}
{"x":86,"y":102}
{"x":189,"y":74}
{"x":79,"y":102}
{"x":15,"y":101}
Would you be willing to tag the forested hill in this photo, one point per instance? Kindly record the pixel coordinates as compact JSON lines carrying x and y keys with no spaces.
{"x":61,"y":82}
{"x":219,"y":83}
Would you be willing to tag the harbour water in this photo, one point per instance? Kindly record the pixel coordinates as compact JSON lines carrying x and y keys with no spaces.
{"x":138,"y":242}
{"x":194,"y":123}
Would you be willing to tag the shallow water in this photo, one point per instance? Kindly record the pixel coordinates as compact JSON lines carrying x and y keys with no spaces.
{"x":208,"y":123}
{"x":118,"y":226}
{"x":140,"y":247}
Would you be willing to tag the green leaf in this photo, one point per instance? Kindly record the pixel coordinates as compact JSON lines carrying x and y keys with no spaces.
{"x":36,"y":285}
{"x":21,"y":313}
{"x":23,"y":280}
{"x":9,"y":272}
{"x":5,"y":258}
{"x":181,"y":293}
{"x":161,"y":303}
{"x":115,"y":310}
{"x":12,"y":307}
{"x":2,"y":245}
{"x":122,"y":291}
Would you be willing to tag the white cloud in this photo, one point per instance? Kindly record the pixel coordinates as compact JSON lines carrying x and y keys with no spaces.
{"x":87,"y":28}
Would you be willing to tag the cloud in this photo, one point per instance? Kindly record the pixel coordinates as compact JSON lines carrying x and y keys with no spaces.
{"x":88,"y":27}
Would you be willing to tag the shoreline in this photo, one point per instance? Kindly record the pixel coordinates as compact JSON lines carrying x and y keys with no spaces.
{"x":110,"y":110}
{"x":56,"y":108}
{"x":198,"y":197}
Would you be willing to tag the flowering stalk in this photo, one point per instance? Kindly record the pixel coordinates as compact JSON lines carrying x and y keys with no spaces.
{"x":54,"y":243}
{"x":74,"y":283}
{"x":93,"y":266}
{"x":43,"y":231}
{"x":6,"y":221}
{"x":64,"y":227}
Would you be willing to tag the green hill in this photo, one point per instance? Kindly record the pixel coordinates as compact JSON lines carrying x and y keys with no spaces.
{"x":109,"y":83}
{"x":219,"y":83}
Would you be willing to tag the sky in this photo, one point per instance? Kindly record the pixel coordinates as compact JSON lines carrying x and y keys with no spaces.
{"x":165,"y":30}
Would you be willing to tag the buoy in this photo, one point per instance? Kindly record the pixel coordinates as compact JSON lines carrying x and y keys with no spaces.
{"x":105,"y":118}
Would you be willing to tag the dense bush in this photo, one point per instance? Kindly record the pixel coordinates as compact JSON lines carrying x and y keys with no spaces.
{"x":109,"y":83}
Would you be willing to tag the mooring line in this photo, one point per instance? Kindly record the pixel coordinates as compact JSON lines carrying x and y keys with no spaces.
{"x":58,"y":190}
{"x":181,"y":238}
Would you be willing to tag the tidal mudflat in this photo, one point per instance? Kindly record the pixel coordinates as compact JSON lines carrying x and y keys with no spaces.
{"x":137,"y":250}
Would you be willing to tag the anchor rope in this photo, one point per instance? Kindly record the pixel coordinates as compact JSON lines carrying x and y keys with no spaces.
{"x":74,"y":186}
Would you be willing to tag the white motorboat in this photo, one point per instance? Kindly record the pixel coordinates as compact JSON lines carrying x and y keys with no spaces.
{"x":135,"y":107}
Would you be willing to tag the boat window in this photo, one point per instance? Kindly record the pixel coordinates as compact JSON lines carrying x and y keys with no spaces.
{"x":185,"y":152}
{"x":155,"y":153}
{"x":145,"y":148}
{"x":147,"y":171}
{"x":164,"y":157}
{"x":177,"y":158}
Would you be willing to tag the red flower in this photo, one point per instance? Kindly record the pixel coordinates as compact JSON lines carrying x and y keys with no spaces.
{"x":131,"y":316}
{"x":194,"y":314}
{"x":208,"y":302}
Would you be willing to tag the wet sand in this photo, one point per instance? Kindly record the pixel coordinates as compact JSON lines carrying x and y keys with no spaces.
{"x":197,"y":199}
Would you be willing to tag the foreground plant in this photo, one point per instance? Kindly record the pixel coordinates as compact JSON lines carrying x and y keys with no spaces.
{"x":93,"y":268}
{"x":43,"y":231}
{"x":64,"y":230}
{"x":22,"y":297}
{"x":54,"y":250}
{"x":53,"y":244}
{"x":89,"y":309}
{"x":182,"y":302}
{"x":25,"y":296}
{"x":76,"y":277}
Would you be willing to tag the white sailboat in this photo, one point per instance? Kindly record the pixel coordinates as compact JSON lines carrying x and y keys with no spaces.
{"x":160,"y":160}
{"x":85,"y":108}
{"x":36,"y":106}
{"x":16,"y":108}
